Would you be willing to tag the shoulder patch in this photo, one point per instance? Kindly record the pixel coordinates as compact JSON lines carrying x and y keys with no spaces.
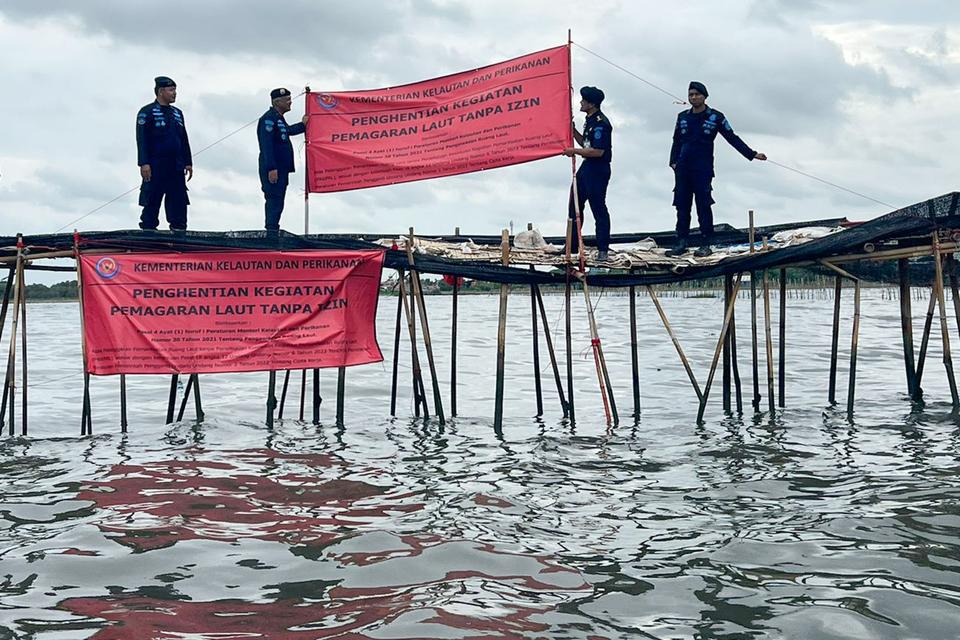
{"x":268,"y":125}
{"x":726,"y":125}
{"x":598,"y":133}
{"x":141,"y":118}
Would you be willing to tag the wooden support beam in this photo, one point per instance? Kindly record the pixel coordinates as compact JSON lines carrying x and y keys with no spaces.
{"x":727,"y":317}
{"x":501,"y":334}
{"x":676,"y":343}
{"x":550,"y":351}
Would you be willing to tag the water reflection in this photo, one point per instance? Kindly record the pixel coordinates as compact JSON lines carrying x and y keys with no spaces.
{"x":804,"y":523}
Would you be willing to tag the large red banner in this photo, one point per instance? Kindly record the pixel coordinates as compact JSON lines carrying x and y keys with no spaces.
{"x":230,"y":311}
{"x":506,"y":113}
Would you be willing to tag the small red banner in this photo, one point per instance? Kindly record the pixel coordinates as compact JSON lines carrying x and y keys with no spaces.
{"x":214,"y":312}
{"x":503,"y":114}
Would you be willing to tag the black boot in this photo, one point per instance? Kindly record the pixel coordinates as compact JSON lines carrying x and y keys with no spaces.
{"x":703,"y":251}
{"x":679,"y":248}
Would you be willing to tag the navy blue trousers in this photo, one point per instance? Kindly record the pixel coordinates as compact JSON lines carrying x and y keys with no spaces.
{"x":169,"y":185}
{"x":274,"y":195}
{"x":592,"y":181}
{"x":693,"y":185}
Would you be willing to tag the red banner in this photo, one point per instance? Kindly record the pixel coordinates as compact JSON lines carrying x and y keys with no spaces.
{"x":506,"y":113}
{"x":212,"y":312}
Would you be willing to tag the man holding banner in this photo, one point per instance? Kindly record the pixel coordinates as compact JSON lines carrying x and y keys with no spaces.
{"x":276,"y":155}
{"x":594,"y":174}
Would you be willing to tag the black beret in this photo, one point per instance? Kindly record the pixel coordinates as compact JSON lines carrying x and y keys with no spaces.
{"x":163,"y":81}
{"x":592,"y":95}
{"x":279,"y":93}
{"x":699,"y":87}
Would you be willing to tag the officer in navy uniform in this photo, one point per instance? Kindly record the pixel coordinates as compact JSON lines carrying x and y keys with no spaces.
{"x":276,"y":155}
{"x":163,"y":153}
{"x":594,"y":173}
{"x":691,"y":158}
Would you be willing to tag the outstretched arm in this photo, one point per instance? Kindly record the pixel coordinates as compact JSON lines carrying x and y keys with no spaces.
{"x":727,"y":132}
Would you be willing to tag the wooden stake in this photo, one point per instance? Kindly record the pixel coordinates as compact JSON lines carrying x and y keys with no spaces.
{"x":550,"y":351}
{"x":536,"y":344}
{"x":924,"y":343}
{"x":734,"y":363}
{"x":23,"y":347}
{"x":944,"y":329}
{"x":569,"y":337}
{"x":341,"y":393}
{"x":753,"y":322}
{"x":9,"y":394}
{"x":303,"y":392}
{"x":782,"y":345}
{"x":418,"y":399}
{"x":768,"y":339}
{"x":855,"y":334}
{"x":186,"y":396}
{"x":396,"y":347}
{"x":727,"y":296}
{"x":606,"y":390}
{"x":906,"y":322}
{"x":123,"y":403}
{"x":453,"y":344}
{"x":283,"y":393}
{"x":316,"y":396}
{"x":271,"y":395}
{"x":171,"y":398}
{"x":197,"y":405}
{"x":424,"y":325}
{"x":727,"y":316}
{"x":634,"y":354}
{"x":835,"y":341}
{"x":676,"y":343}
{"x":501,"y":334}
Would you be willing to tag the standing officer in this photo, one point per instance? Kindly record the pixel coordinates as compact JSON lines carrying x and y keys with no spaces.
{"x":163,"y":153}
{"x":594,"y":174}
{"x":691,"y":158}
{"x":276,"y":155}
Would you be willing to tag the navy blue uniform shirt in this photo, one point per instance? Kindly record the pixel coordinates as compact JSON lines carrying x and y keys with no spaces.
{"x":162,"y":136}
{"x":273,"y":134}
{"x":694,"y":135}
{"x":598,"y":134}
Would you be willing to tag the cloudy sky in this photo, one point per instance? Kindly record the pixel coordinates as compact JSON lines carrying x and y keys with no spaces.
{"x":861,"y":93}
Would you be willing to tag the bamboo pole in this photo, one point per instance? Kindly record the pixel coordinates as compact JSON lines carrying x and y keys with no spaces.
{"x":782,"y":345}
{"x":341,"y":394}
{"x":23,"y":347}
{"x":538,"y":388}
{"x":123,"y":403}
{"x":425,"y":326}
{"x":9,"y":389}
{"x":453,"y":344}
{"x":303,"y":392}
{"x":906,"y":323}
{"x":676,"y":343}
{"x":768,"y":339}
{"x":944,"y":329}
{"x":924,"y":343}
{"x":727,"y":316}
{"x":396,"y":347}
{"x":186,"y":397}
{"x":855,"y":334}
{"x":172,"y":397}
{"x":271,"y":395}
{"x":9,"y":394}
{"x":835,"y":341}
{"x":316,"y":396}
{"x":197,"y":405}
{"x":414,"y":354}
{"x":734,"y":363}
{"x":725,"y":380}
{"x":571,"y":404}
{"x":634,"y":355}
{"x":550,"y":351}
{"x":753,"y":322}
{"x":606,"y":391}
{"x":283,"y":393}
{"x":501,"y":334}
